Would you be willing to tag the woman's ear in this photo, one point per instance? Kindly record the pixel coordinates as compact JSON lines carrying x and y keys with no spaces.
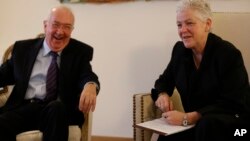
{"x":208,"y":25}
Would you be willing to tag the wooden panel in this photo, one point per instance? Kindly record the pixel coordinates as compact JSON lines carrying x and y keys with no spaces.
{"x":105,"y":138}
{"x":234,"y":27}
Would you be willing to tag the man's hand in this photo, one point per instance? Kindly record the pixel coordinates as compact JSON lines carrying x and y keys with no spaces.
{"x":88,"y":98}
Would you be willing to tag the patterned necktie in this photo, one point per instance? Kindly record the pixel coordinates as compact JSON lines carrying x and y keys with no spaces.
{"x":51,"y":79}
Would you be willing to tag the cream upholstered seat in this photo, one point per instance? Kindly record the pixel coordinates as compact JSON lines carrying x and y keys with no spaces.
{"x":144,"y":109}
{"x":34,"y":135}
{"x":75,"y":132}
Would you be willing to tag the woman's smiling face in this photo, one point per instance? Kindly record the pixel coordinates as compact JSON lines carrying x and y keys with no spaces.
{"x":191,"y":29}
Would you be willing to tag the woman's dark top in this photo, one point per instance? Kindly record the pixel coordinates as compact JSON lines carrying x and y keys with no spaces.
{"x":220,"y":84}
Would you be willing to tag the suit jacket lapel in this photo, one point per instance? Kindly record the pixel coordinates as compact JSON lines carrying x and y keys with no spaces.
{"x":32,"y":58}
{"x":30,"y":55}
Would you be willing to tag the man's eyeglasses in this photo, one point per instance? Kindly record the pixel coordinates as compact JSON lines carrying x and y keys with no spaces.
{"x":65,"y":27}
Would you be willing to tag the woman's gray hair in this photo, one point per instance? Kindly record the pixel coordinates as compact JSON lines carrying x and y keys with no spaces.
{"x":201,"y":6}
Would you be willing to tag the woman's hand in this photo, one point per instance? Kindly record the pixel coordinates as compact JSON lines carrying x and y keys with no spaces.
{"x":177,"y":117}
{"x":173,"y":117}
{"x":164,"y":103}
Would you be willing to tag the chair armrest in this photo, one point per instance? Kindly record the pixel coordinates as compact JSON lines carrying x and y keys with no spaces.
{"x":87,"y":127}
{"x":5,"y":92}
{"x":144,"y":109}
{"x":4,"y":95}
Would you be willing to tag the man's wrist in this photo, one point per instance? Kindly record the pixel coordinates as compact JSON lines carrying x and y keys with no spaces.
{"x":93,"y":83}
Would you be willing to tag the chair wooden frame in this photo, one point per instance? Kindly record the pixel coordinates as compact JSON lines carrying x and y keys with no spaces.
{"x":144,"y":109}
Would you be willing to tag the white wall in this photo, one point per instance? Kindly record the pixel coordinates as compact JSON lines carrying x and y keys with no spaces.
{"x":132,"y":45}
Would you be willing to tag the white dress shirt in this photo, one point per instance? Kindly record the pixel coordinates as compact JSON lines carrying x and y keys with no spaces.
{"x":37,"y":82}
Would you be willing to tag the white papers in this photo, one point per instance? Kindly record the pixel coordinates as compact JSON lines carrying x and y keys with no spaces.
{"x":162,"y":127}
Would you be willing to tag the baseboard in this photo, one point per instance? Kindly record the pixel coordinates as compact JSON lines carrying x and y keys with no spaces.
{"x":106,"y":138}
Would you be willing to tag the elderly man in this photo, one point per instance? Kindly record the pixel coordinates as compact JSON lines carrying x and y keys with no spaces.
{"x":54,"y":84}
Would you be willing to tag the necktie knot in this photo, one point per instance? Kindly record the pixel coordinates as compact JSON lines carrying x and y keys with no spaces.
{"x":53,"y":54}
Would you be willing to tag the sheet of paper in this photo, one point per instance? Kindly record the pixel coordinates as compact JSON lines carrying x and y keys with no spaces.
{"x":162,"y":127}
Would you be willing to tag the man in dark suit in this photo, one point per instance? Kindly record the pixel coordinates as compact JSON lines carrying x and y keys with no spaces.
{"x":76,"y":86}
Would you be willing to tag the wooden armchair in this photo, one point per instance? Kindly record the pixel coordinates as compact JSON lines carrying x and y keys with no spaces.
{"x":75,"y":133}
{"x":144,"y":109}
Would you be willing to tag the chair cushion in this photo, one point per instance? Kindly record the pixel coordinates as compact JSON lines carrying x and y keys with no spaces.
{"x":34,"y":135}
{"x":74,"y":133}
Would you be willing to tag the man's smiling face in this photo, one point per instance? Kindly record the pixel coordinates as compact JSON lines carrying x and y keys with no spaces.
{"x":58,"y":29}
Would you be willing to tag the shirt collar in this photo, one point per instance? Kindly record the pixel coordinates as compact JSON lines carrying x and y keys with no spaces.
{"x":46,"y":49}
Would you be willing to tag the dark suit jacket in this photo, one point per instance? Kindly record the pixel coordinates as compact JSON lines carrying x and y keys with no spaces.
{"x":75,"y":71}
{"x":219,"y":85}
